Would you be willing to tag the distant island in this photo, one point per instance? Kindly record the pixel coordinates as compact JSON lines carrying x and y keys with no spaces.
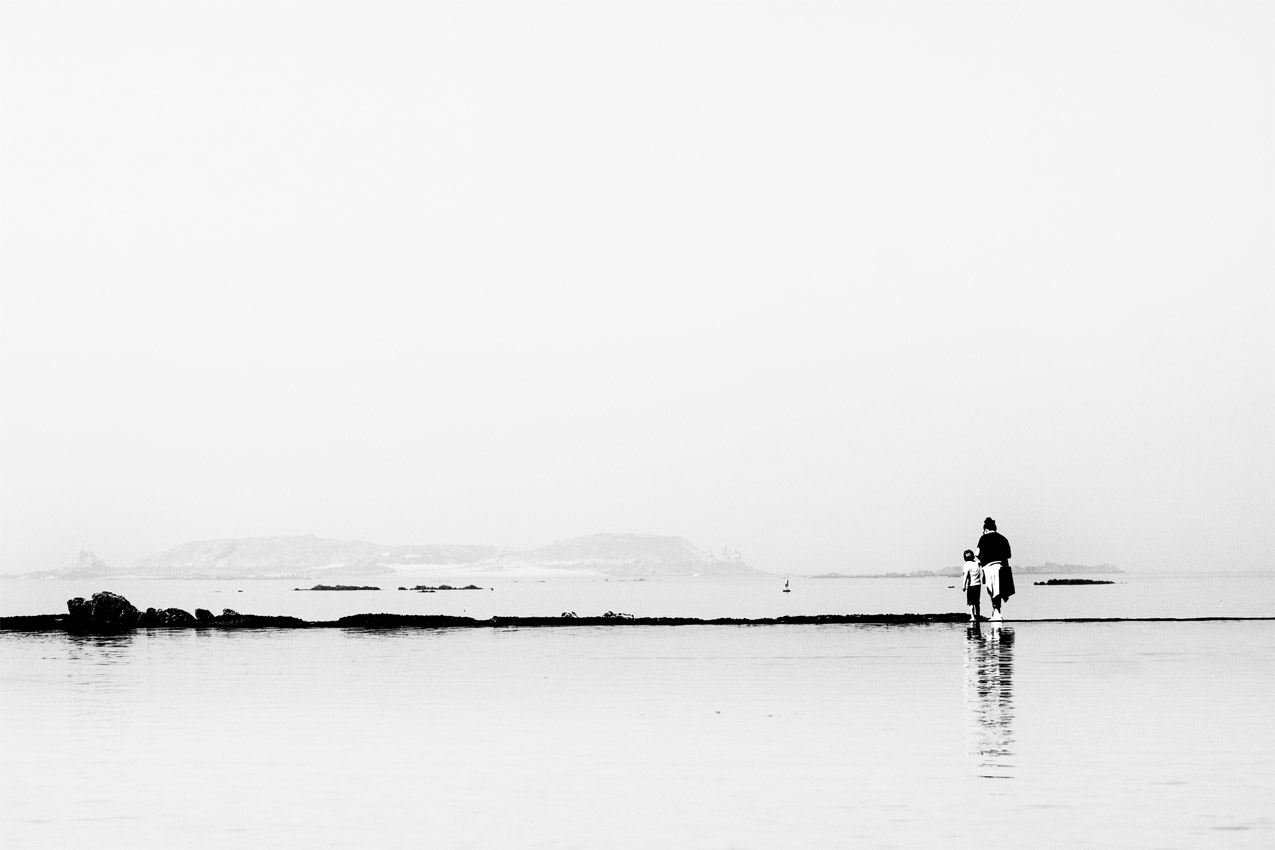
{"x":1049,"y":568}
{"x":338,"y":587}
{"x":311,"y":557}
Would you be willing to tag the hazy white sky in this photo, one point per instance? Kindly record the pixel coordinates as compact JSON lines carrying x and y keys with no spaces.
{"x":824,"y":282}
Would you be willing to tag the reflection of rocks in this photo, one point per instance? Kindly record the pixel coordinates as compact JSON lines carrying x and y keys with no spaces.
{"x":105,"y":612}
{"x":989,"y":698}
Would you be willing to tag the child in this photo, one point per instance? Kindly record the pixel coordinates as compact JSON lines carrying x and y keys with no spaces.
{"x":973,"y":584}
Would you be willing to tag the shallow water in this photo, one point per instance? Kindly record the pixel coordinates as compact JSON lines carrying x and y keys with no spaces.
{"x":1034,"y":734}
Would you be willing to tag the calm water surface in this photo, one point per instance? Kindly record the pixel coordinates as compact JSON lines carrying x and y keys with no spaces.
{"x":1037,"y":734}
{"x":1139,"y":595}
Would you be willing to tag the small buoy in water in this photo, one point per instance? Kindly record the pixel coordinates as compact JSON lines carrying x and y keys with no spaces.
{"x":787,"y":589}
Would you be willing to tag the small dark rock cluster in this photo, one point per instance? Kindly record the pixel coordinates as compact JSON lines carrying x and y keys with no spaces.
{"x":339,"y":587}
{"x":167,"y":617}
{"x":1054,"y":582}
{"x":108,"y":612}
{"x":425,"y":588}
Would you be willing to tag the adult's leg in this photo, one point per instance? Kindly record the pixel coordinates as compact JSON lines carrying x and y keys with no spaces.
{"x":993,"y":585}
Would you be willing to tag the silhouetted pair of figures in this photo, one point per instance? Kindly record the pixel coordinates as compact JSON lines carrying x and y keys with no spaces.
{"x":988,"y":566}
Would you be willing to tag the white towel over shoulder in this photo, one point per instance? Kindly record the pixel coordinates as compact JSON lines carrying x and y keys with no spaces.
{"x":992,"y":577}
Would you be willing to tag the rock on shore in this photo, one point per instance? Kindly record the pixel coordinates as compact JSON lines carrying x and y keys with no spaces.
{"x":110,"y":612}
{"x":1055,"y":582}
{"x":106,"y":612}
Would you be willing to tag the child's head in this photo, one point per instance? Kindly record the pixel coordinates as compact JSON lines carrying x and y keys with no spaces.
{"x":969,"y":554}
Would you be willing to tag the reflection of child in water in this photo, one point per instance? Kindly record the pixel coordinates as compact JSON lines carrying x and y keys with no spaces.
{"x":973,"y":585}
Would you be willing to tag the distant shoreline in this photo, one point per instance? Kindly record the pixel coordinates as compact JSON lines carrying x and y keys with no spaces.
{"x":955,"y":572}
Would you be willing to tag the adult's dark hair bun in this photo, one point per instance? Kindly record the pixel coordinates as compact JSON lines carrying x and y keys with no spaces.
{"x":989,"y":524}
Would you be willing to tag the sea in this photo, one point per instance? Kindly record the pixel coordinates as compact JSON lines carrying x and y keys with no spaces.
{"x":1042,"y":732}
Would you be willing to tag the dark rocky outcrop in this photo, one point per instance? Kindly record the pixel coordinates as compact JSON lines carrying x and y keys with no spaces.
{"x":405,"y":621}
{"x":34,"y":623}
{"x":235,"y":620}
{"x":339,"y":587}
{"x":104,"y":612}
{"x":167,"y":617}
{"x":1054,"y":582}
{"x":108,"y":612}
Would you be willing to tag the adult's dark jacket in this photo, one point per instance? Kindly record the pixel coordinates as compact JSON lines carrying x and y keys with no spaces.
{"x":992,"y":546}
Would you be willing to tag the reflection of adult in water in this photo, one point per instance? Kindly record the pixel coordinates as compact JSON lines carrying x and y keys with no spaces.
{"x":989,"y":699}
{"x":993,"y":557}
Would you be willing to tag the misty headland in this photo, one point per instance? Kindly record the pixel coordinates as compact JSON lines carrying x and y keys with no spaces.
{"x":312,"y":557}
{"x":308,"y":556}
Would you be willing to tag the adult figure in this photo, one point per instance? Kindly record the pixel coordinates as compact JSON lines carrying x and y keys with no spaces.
{"x":993,"y":557}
